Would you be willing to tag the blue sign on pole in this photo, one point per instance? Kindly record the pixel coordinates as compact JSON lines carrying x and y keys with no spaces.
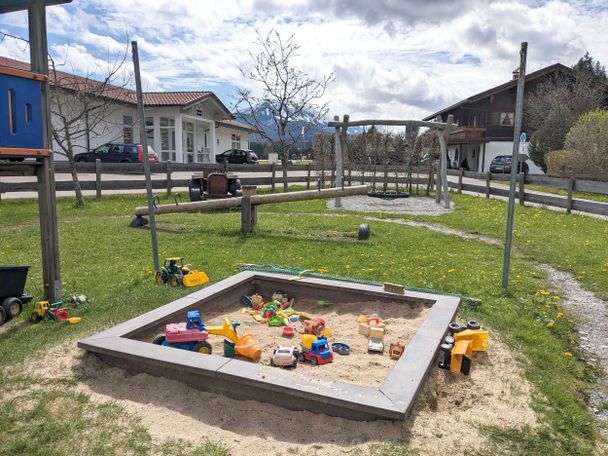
{"x":523,"y":137}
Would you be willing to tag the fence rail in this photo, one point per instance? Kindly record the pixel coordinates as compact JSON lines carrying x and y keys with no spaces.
{"x":104,"y":179}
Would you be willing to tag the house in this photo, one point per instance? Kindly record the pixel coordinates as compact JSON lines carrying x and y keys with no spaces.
{"x":183,"y":127}
{"x":485,"y":122}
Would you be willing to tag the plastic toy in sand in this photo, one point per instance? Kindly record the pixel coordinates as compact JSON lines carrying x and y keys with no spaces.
{"x":275,"y":312}
{"x":459,"y":346}
{"x":315,"y":350}
{"x":192,"y":335}
{"x":340,"y":348}
{"x":396,"y":349}
{"x":317,"y":327}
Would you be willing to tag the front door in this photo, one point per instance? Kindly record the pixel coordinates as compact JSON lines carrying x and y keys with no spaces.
{"x":188,"y":141}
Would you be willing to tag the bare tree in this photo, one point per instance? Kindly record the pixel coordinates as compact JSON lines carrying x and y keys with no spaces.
{"x":323,"y":146}
{"x":80,"y":109}
{"x":289,"y":95}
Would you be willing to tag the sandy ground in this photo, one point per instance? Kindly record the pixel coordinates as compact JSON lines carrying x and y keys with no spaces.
{"x":413,"y":205}
{"x":445,"y":419}
{"x":360,"y":367}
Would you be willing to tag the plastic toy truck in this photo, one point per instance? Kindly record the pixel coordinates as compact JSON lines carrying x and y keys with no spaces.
{"x":285,"y":356}
{"x":189,"y":335}
{"x":375,"y":343}
{"x":315,"y":350}
{"x":192,"y":335}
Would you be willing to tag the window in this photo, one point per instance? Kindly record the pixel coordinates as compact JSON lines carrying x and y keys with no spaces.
{"x":236,"y":141}
{"x":506,"y":119}
{"x":127,"y":130}
{"x":103,"y":149}
{"x":167,"y":139}
{"x":150,"y":131}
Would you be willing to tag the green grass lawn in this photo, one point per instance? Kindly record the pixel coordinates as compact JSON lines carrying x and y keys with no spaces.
{"x":111,"y":263}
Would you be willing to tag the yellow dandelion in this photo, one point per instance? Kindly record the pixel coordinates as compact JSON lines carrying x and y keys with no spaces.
{"x":451,"y":270}
{"x":568,"y":354}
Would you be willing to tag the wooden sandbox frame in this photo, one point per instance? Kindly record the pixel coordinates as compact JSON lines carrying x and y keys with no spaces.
{"x":239,"y":379}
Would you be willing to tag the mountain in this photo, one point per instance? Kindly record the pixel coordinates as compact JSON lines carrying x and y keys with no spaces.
{"x":295,"y":128}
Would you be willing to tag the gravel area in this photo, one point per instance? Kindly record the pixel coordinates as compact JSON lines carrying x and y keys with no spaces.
{"x":414,"y":205}
{"x":591,"y":314}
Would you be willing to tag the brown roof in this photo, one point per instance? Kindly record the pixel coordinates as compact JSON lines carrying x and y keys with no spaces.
{"x":234,"y":124}
{"x":556,"y":67}
{"x":174,"y":98}
{"x":72,"y":82}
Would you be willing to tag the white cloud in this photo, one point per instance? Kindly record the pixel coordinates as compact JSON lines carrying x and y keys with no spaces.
{"x":391,"y":58}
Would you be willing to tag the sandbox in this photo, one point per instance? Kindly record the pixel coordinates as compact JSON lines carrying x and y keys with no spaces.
{"x":359,"y":386}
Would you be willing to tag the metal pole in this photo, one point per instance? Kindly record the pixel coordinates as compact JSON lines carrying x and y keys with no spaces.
{"x":47,"y":206}
{"x":519,"y":108}
{"x":144,"y":145}
{"x":338,"y":151}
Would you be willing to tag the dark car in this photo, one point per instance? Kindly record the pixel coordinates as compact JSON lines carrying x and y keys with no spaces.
{"x":502,"y":164}
{"x":117,"y":153}
{"x":237,"y":156}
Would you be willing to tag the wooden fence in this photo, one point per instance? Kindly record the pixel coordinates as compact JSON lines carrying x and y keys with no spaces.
{"x":311,"y":176}
{"x":570,"y":184}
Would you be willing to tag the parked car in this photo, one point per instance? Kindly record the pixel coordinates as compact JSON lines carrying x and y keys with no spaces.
{"x":117,"y":153}
{"x":502,"y":164}
{"x":237,"y":156}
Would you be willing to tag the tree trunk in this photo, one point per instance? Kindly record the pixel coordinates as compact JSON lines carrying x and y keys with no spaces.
{"x":69,"y":151}
{"x":285,"y":183}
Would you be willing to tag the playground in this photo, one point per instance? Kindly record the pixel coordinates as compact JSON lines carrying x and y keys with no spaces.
{"x":512,"y":400}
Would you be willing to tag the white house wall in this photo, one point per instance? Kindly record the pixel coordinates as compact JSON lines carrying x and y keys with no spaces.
{"x":109,"y":131}
{"x":223,"y":138}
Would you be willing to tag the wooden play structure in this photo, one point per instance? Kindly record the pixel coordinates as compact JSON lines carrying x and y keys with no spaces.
{"x":442,"y":130}
{"x":25,"y":133}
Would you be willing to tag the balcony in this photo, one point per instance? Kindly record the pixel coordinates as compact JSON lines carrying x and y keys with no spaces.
{"x":467,"y":135}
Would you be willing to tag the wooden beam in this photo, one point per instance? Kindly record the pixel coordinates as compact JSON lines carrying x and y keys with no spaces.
{"x":304,"y":195}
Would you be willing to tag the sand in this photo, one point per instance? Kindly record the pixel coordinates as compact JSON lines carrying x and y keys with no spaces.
{"x":446,"y":418}
{"x":360,"y":367}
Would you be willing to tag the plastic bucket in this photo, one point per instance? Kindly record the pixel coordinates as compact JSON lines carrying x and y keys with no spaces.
{"x":248,"y":347}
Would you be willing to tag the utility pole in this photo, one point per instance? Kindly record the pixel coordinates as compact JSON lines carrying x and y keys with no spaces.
{"x":144,"y":145}
{"x":519,"y":109}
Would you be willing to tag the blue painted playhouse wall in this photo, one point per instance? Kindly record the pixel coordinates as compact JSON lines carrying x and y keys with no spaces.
{"x":25,"y":91}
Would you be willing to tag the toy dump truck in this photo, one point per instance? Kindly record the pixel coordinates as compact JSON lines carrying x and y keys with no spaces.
{"x":175,"y":273}
{"x":12,"y":298}
{"x":315,"y":350}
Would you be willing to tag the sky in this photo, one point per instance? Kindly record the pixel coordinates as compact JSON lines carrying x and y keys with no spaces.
{"x":390,"y":58}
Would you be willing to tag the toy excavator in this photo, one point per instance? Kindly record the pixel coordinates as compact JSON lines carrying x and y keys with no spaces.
{"x":175,"y":273}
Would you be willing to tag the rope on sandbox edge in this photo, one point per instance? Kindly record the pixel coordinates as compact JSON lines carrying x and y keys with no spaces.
{"x":299,"y":273}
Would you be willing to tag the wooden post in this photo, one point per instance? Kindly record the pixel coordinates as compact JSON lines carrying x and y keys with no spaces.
{"x":522,"y":188}
{"x":570,"y":189}
{"x":45,"y":174}
{"x":168,"y":171}
{"x":308,"y":177}
{"x":247,"y":213}
{"x":488,"y":177}
{"x":460,"y":174}
{"x":273,"y":177}
{"x":349,"y":174}
{"x":443,"y":146}
{"x":98,"y":178}
{"x":333,"y":178}
{"x":429,"y":185}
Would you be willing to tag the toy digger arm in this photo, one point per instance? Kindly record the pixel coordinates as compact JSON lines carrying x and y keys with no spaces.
{"x":225,"y":330}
